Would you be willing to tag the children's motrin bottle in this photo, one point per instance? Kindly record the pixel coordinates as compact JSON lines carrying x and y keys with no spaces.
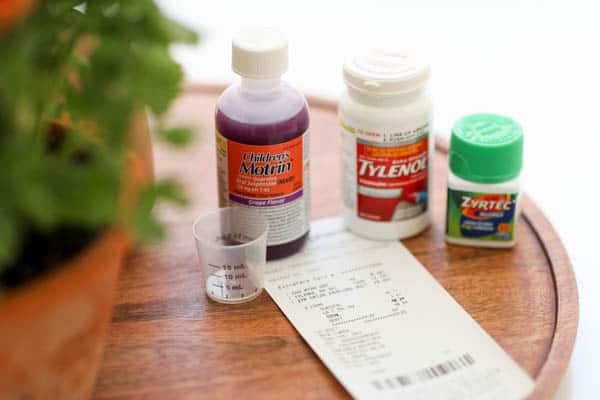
{"x":385,"y":116}
{"x":262,"y":142}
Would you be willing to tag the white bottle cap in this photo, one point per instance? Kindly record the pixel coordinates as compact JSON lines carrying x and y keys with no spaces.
{"x":259,"y":53}
{"x":385,"y":72}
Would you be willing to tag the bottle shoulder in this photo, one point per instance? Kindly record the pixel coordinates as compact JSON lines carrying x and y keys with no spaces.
{"x":379,"y":114}
{"x":261,"y":118}
{"x":261,"y":107}
{"x":457,"y":183}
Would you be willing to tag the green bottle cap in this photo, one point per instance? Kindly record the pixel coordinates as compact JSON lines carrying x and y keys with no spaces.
{"x":486,"y":148}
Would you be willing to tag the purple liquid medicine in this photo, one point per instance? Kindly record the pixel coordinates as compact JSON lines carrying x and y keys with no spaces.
{"x":262,"y":142}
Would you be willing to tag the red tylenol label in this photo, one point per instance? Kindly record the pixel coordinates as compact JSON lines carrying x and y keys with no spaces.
{"x":391,"y":180}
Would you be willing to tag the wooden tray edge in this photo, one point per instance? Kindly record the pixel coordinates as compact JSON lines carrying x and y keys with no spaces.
{"x":567,"y":304}
{"x":565,"y":286}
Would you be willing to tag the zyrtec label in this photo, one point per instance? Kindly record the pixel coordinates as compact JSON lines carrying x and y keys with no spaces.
{"x":386,"y":174}
{"x":272,"y":179}
{"x":483,"y":216}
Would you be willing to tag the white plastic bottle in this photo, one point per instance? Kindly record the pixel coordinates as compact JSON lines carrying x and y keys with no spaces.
{"x":484,"y":162}
{"x":387,"y":145}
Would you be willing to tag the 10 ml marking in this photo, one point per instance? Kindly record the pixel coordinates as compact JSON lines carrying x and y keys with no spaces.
{"x":230,"y":281}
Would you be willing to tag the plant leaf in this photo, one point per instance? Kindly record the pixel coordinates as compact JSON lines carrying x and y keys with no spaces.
{"x":178,"y":137}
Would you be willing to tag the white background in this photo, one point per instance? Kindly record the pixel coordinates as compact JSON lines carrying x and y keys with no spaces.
{"x":537,"y":61}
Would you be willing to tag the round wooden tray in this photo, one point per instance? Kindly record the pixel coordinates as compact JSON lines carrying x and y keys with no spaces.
{"x":169,"y":341}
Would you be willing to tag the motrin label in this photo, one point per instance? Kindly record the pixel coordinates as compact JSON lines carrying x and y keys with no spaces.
{"x":483,"y":216}
{"x":386,"y":173}
{"x":272,"y":179}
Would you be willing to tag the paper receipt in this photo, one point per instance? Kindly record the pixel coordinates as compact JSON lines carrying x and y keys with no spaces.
{"x":384,"y":326}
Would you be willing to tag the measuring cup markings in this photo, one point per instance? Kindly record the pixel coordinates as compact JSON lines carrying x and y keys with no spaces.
{"x":232,"y":254}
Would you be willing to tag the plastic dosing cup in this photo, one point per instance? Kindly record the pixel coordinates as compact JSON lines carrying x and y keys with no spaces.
{"x":232,"y":245}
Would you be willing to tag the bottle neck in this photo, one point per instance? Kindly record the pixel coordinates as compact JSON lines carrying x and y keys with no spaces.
{"x":260,"y":85}
{"x":387,"y":100}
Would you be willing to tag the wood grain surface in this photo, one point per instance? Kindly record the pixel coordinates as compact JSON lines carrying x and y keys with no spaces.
{"x":167,"y":340}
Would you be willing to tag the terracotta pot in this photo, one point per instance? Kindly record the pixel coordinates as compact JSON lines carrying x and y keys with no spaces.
{"x":52,"y":329}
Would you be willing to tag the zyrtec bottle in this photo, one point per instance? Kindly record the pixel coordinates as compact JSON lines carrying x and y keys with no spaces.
{"x":262,"y":142}
{"x":484,"y":189}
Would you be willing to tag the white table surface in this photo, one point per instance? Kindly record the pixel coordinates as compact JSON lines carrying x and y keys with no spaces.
{"x":537,"y":61}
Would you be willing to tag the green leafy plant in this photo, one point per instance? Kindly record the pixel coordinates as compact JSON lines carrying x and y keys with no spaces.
{"x":72,"y":75}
